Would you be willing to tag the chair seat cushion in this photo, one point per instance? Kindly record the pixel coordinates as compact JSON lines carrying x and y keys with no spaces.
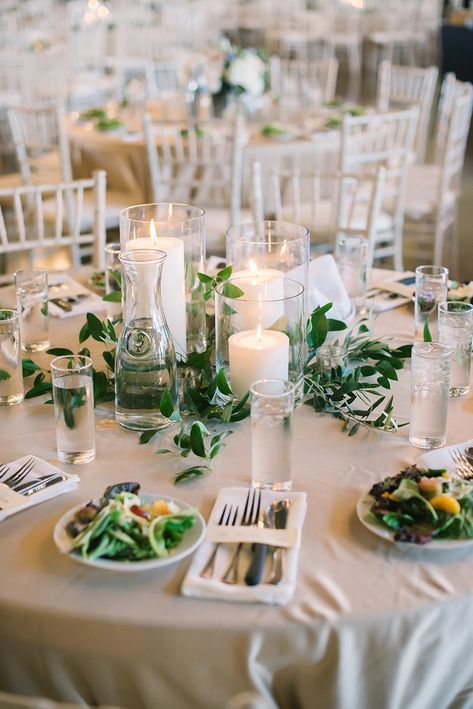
{"x":115,"y":202}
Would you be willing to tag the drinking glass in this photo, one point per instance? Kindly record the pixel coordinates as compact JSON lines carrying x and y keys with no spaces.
{"x":430,"y":382}
{"x":431,"y":290}
{"x":330,"y":356}
{"x":11,"y":377}
{"x":455,"y":323}
{"x":74,"y":408}
{"x":32,"y":304}
{"x":272,"y":406}
{"x":113,"y":277}
{"x":352,"y":262}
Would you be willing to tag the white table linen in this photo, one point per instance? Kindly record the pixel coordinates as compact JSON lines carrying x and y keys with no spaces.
{"x":371,"y":624}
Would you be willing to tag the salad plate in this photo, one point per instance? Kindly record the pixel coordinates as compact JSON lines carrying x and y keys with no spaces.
{"x":369,"y":521}
{"x":418,"y":507}
{"x":190,"y":541}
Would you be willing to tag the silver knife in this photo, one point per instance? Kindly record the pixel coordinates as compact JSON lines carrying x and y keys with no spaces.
{"x":255,"y":570}
{"x":29,"y":488}
{"x":278,"y":565}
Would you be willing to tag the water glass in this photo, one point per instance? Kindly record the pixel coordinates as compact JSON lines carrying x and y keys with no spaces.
{"x":455,"y":324}
{"x":352,"y":262}
{"x":272,"y":406}
{"x":11,"y":377}
{"x":113,"y":277}
{"x":430,"y":382}
{"x":431,"y":290}
{"x":32,"y":304}
{"x":331,"y":356}
{"x":74,"y":408}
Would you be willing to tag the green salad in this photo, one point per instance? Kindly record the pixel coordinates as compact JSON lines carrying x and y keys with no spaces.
{"x":123,"y":527}
{"x":420,"y":506}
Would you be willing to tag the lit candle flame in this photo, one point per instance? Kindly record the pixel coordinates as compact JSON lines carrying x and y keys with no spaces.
{"x":283,"y":248}
{"x":152,"y":233}
{"x":258,"y":332}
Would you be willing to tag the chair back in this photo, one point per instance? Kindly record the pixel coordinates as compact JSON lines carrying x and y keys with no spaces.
{"x":383,"y":140}
{"x":305,"y":79}
{"x":404,"y":86}
{"x":455,"y":144}
{"x":41,"y":143}
{"x":35,"y":217}
{"x":451,"y":91}
{"x":195,"y":163}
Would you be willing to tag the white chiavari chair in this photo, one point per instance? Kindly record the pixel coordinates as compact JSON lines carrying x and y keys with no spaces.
{"x":200,"y":165}
{"x":327,"y":203}
{"x":37,"y":217}
{"x":383,"y":140}
{"x":401,"y":87}
{"x":309,"y":82}
{"x":433,"y":190}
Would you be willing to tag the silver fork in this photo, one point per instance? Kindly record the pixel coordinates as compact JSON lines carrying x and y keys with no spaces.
{"x":19,"y":474}
{"x":250,"y":517}
{"x":463,"y":467}
{"x":208,"y":570}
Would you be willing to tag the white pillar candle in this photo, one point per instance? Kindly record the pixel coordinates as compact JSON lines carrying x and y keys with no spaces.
{"x":262,"y":302}
{"x":172,"y":283}
{"x":257,"y":354}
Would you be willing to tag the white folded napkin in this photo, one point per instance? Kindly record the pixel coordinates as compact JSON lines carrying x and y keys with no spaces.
{"x":12,"y":502}
{"x":63,"y":286}
{"x":196,"y":586}
{"x":441,"y":457}
{"x":326,"y":286}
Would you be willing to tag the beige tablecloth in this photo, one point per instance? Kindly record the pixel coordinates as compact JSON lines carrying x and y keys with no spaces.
{"x":371,"y":625}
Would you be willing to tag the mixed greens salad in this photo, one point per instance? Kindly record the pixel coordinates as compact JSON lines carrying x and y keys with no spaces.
{"x":123,"y":527}
{"x":420,"y":506}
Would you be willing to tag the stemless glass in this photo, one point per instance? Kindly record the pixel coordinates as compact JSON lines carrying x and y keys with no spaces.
{"x":352,"y":261}
{"x":455,"y":324}
{"x":179,"y":231}
{"x":113,"y":277}
{"x":32,"y":304}
{"x":330,"y":356}
{"x":270,"y":247}
{"x":430,"y":382}
{"x":431,"y":290}
{"x":73,"y":396}
{"x":11,"y":377}
{"x":272,"y":406}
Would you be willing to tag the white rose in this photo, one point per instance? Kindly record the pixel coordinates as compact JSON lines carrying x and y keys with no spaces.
{"x":247,"y":71}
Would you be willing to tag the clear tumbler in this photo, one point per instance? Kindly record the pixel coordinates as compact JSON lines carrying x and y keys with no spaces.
{"x":11,"y":378}
{"x":430,"y":382}
{"x":455,"y":323}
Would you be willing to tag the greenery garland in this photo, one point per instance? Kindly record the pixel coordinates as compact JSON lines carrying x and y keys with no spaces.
{"x":356,"y":393}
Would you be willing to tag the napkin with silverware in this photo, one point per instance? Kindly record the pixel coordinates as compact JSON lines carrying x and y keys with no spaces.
{"x":228,"y":536}
{"x":67,"y":297}
{"x":43,"y":482}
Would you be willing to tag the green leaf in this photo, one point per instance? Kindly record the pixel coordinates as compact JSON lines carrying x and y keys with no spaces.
{"x":214,"y":450}
{"x":42,"y":388}
{"x":203,"y":278}
{"x":39,"y":378}
{"x":84,"y":333}
{"x":336,"y":325}
{"x":166,"y":405}
{"x":231,"y":291}
{"x":95,"y":327}
{"x":109,"y":358}
{"x":386,"y":369}
{"x":58,"y":351}
{"x":196,"y":471}
{"x":196,"y":435}
{"x":113,"y":297}
{"x":4,"y":375}
{"x":29,"y":367}
{"x":146,"y":436}
{"x":427,"y":335}
{"x":224,"y":274}
{"x":222,"y":384}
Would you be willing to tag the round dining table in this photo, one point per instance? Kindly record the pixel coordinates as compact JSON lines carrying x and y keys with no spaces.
{"x":371,"y":623}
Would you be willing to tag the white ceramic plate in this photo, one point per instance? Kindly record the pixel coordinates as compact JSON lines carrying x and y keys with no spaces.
{"x":363,"y":509}
{"x":191,"y":540}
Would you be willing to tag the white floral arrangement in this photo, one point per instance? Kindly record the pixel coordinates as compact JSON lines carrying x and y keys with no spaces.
{"x":244,"y":72}
{"x":458,"y":291}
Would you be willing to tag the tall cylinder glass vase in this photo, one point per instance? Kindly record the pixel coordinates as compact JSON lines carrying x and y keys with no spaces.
{"x":259,"y":331}
{"x":179,"y":230}
{"x":145,"y":362}
{"x":274,"y":247}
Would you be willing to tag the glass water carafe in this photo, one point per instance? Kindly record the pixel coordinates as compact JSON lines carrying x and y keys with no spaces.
{"x":145,"y":363}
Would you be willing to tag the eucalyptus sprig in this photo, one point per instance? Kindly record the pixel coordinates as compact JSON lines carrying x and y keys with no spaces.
{"x":211,"y":283}
{"x":353,"y":393}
